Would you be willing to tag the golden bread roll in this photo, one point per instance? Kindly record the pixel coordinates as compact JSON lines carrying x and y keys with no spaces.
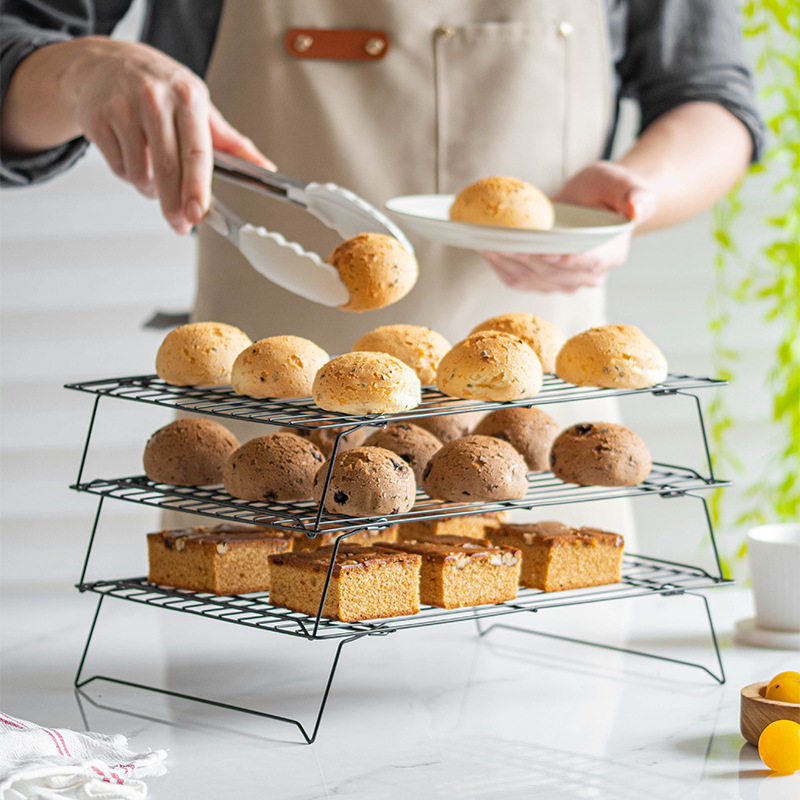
{"x":280,"y":366}
{"x":600,"y":454}
{"x":504,"y":201}
{"x":476,"y":468}
{"x":611,"y":356}
{"x":490,"y":365}
{"x":366,"y":482}
{"x":200,"y":354}
{"x":545,"y":338}
{"x":421,"y":348}
{"x":188,"y":452}
{"x":376,"y":269}
{"x":366,"y":383}
{"x":277,"y":466}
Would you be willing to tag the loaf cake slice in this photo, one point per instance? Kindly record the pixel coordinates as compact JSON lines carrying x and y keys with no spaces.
{"x":471,"y":525}
{"x":461,"y":571}
{"x":226,"y":559}
{"x":366,"y":583}
{"x":557,"y":557}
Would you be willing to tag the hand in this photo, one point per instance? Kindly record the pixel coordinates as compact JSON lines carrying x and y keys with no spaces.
{"x":600,"y":185}
{"x":153,"y":121}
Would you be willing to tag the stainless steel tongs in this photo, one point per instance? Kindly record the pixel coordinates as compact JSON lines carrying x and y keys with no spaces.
{"x":287,"y":263}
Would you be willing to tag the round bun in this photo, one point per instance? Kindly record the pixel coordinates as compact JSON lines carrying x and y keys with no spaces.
{"x":544,"y":338}
{"x":529,"y":431}
{"x":366,"y":383}
{"x":503,"y":201}
{"x":278,"y":466}
{"x":447,"y":427}
{"x":476,"y":468}
{"x":413,"y":444}
{"x":376,"y":269}
{"x":280,"y":366}
{"x":421,"y":348}
{"x":490,"y":365}
{"x":367,"y":482}
{"x":188,"y":452}
{"x":325,"y":437}
{"x":200,"y":354}
{"x":611,"y":356}
{"x":600,"y":454}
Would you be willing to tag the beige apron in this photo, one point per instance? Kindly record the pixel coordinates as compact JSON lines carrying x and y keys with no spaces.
{"x":468,"y":88}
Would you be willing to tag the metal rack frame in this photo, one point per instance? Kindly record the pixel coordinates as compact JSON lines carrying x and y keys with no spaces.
{"x":642,"y":575}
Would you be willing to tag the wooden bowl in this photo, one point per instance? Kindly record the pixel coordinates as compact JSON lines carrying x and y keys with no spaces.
{"x":757,"y":712}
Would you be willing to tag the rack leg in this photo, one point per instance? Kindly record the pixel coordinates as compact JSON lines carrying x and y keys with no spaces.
{"x":719,"y":678}
{"x":91,"y":541}
{"x":309,"y":738}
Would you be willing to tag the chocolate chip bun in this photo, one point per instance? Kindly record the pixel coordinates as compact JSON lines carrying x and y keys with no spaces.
{"x":200,"y":354}
{"x":600,"y":454}
{"x":278,"y":466}
{"x":413,"y":444}
{"x":188,"y":452}
{"x":446,"y":427}
{"x":366,"y":383}
{"x":376,"y":269}
{"x":280,"y":366}
{"x":504,"y":201}
{"x":542,"y":336}
{"x":421,"y":348}
{"x":529,"y":431}
{"x":490,"y":365}
{"x":476,"y":468}
{"x":325,"y":437}
{"x":367,"y":482}
{"x":611,"y":356}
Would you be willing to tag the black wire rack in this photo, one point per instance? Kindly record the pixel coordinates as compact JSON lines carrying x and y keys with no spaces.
{"x":642,"y":575}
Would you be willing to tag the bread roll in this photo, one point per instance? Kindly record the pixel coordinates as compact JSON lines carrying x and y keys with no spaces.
{"x":476,"y":468}
{"x":376,"y":269}
{"x":413,"y":444}
{"x":611,"y":356}
{"x":366,"y":383}
{"x":530,"y":431}
{"x":542,"y":336}
{"x":325,"y":437}
{"x":278,"y":466}
{"x":200,"y":354}
{"x":600,"y":454}
{"x":421,"y":348}
{"x":367,"y":482}
{"x":504,"y":201}
{"x":188,"y":452}
{"x":280,"y":366}
{"x":490,"y":365}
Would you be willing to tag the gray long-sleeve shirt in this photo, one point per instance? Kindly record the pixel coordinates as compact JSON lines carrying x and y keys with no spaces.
{"x":665,"y":52}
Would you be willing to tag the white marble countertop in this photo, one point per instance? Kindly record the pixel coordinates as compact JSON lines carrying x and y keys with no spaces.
{"x":429,"y":713}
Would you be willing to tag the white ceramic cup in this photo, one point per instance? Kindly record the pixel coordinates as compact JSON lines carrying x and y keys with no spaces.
{"x":774,"y":556}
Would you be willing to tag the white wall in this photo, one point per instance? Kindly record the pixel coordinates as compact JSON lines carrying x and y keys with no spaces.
{"x":85,"y":260}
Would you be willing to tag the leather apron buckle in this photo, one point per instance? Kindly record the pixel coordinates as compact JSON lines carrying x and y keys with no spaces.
{"x":342,"y":44}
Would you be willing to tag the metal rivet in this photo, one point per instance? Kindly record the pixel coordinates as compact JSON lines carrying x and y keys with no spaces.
{"x":375,"y":46}
{"x":445,"y":32}
{"x":565,"y":29}
{"x":302,"y":42}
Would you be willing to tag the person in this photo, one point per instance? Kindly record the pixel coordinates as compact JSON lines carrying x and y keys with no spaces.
{"x":459,"y":89}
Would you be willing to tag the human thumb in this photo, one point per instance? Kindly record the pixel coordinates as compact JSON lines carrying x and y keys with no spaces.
{"x":640,"y":204}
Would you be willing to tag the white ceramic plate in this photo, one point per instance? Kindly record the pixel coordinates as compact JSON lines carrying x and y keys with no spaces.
{"x":576,"y":228}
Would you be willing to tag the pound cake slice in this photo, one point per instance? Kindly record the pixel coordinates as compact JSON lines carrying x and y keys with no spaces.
{"x":471,"y":525}
{"x":460,"y":571}
{"x":556,"y":557}
{"x":366,"y":583}
{"x":226,"y":559}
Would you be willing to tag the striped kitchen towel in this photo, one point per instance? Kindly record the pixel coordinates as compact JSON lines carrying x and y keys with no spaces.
{"x":39,"y":763}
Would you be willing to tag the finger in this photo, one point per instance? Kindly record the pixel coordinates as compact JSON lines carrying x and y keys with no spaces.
{"x":196,"y":157}
{"x":106,"y":140}
{"x":163,"y":143}
{"x":641,"y":204}
{"x":135,"y":156}
{"x":226,"y":138}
